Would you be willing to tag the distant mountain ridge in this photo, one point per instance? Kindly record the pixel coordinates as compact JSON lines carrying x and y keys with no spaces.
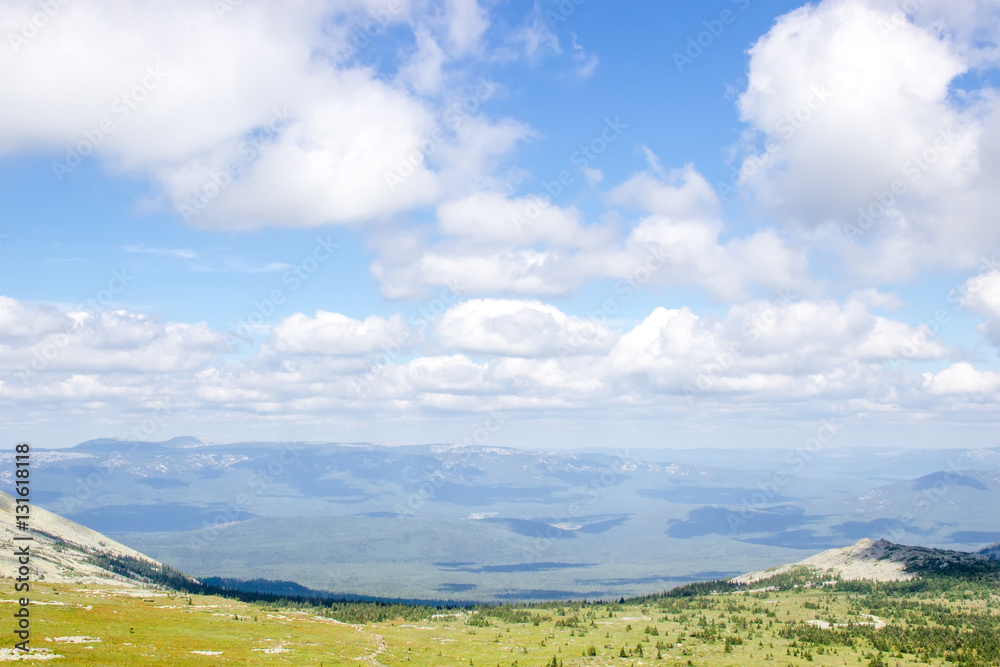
{"x":66,"y":552}
{"x":992,"y":552}
{"x":481,"y":522}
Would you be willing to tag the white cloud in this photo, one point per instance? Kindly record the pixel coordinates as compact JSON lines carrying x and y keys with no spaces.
{"x":423,"y":71}
{"x":780,"y":346}
{"x":586,"y":64}
{"x":535,"y":36}
{"x":177,"y":253}
{"x":338,"y":335}
{"x":852,"y":98}
{"x":981,"y":294}
{"x":481,"y":354}
{"x":519,"y":329}
{"x":668,"y":347}
{"x":26,"y":322}
{"x":48,"y":340}
{"x":681,"y":193}
{"x":529,"y":246}
{"x":963,"y":379}
{"x":163,"y":92}
{"x":467,"y":22}
{"x":490,"y":216}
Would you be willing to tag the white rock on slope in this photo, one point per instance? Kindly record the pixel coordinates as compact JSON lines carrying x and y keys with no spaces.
{"x":863,"y":560}
{"x":59,"y":548}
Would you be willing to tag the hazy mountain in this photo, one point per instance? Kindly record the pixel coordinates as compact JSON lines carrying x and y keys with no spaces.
{"x":960,"y":503}
{"x":485,"y":522}
{"x":992,"y":552}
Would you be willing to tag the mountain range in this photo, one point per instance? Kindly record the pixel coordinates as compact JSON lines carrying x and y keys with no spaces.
{"x":487,"y":523}
{"x":63,"y":551}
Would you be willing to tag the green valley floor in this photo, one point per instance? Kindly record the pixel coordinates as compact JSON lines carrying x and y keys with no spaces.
{"x":850,"y":623}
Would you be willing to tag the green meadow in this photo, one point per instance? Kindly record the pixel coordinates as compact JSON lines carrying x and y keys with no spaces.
{"x":929,"y":621}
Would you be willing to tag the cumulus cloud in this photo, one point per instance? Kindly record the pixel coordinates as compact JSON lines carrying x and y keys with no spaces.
{"x":27,"y":322}
{"x":337,"y":335}
{"x":519,"y":329}
{"x":466,"y":22}
{"x":536,"y":37}
{"x":784,"y":346}
{"x":858,"y":137}
{"x":309,"y":139}
{"x":39,"y":339}
{"x":492,"y":217}
{"x":531,"y":246}
{"x":860,"y":142}
{"x":479,"y":354}
{"x":981,"y":295}
{"x":964,"y":380}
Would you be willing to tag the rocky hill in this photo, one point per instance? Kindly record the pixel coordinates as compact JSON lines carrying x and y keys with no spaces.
{"x":62,"y":551}
{"x":992,"y":552}
{"x":877,"y":561}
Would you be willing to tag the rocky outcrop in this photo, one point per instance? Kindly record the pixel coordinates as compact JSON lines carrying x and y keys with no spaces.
{"x":60,"y":549}
{"x":875,"y":561}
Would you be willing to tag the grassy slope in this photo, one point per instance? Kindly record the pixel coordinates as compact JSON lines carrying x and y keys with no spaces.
{"x":148,"y":628}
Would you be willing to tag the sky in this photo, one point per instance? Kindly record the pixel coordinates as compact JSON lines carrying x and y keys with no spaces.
{"x":522,"y":224}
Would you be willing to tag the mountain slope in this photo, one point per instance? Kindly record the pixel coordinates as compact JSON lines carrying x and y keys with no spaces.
{"x":61,"y":549}
{"x":876,"y":561}
{"x":992,"y":552}
{"x":938,"y":498}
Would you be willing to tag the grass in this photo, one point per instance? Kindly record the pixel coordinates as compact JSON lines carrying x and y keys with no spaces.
{"x":733,"y":628}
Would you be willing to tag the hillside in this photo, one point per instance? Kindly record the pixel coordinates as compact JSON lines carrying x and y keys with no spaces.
{"x":91,"y":616}
{"x":877,"y":561}
{"x":62,"y":549}
{"x":944,"y":621}
{"x":992,"y":552}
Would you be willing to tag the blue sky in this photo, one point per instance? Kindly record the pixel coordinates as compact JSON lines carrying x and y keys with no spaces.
{"x":650,"y":298}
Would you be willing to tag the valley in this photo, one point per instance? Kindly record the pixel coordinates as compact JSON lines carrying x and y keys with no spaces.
{"x":934,"y":622}
{"x":94,"y":601}
{"x":492,"y":524}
